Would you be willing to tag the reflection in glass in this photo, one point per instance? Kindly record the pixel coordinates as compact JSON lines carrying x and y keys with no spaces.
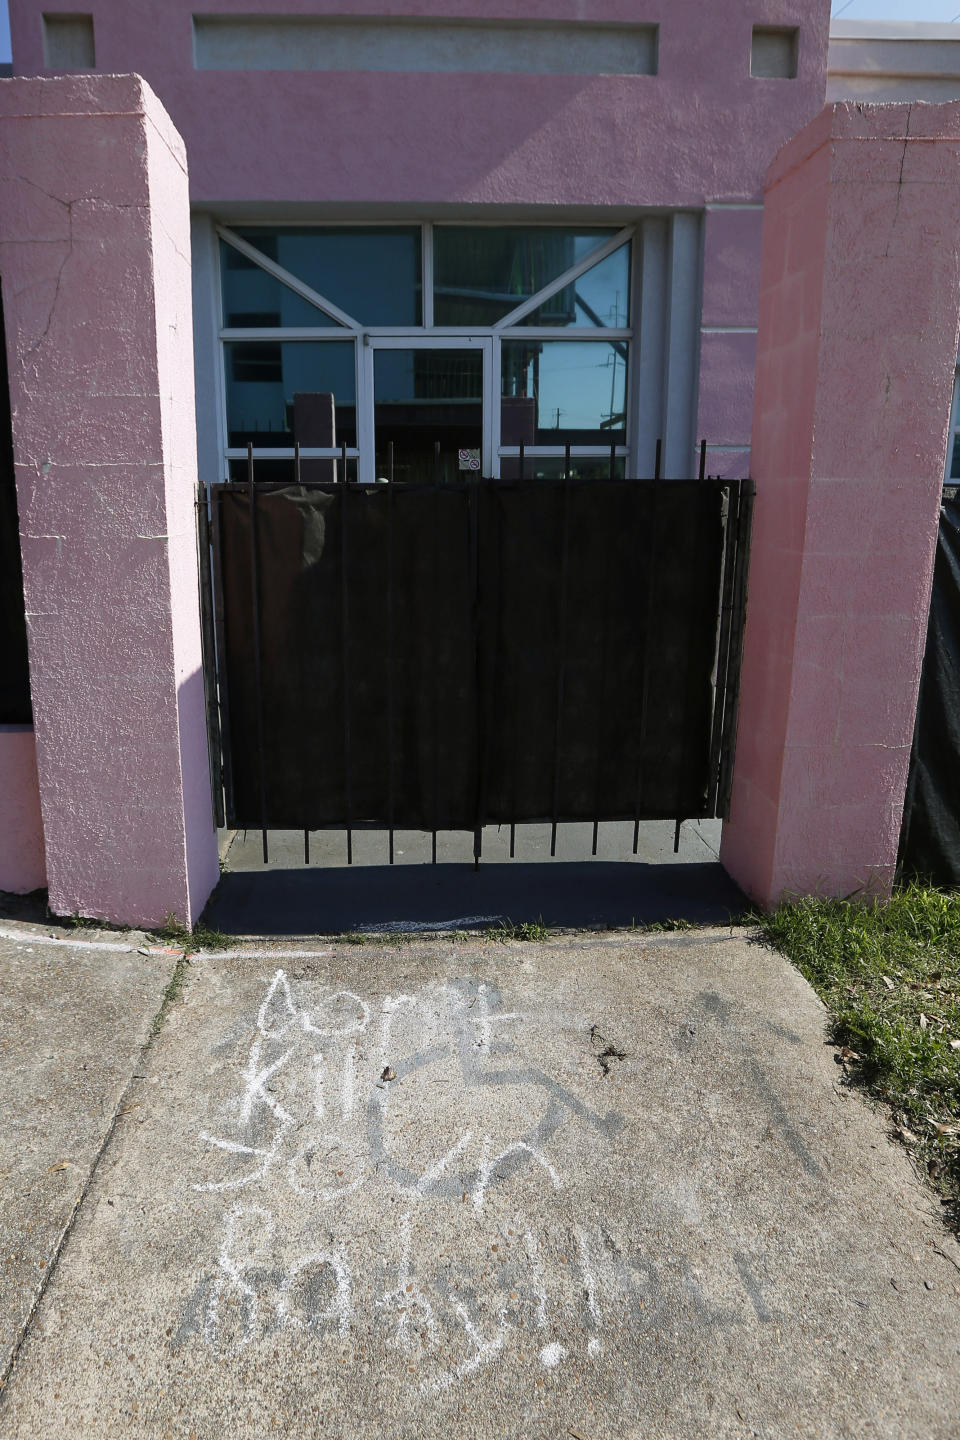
{"x":481,"y":273}
{"x":426,"y":398}
{"x":370,"y":272}
{"x":252,"y":299}
{"x":283,"y":472}
{"x":551,"y":467}
{"x":601,"y":296}
{"x":278,"y":393}
{"x":578,"y":387}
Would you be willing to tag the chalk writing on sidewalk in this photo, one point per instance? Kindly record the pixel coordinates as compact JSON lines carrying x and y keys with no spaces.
{"x":393,"y":1168}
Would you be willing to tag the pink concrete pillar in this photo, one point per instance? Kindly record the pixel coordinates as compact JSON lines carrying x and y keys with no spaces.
{"x":856,"y":352}
{"x":95,"y":266}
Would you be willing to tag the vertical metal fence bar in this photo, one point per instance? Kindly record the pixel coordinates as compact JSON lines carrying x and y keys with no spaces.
{"x":601,"y":690}
{"x":648,"y":625}
{"x":345,"y":647}
{"x":216,"y":501}
{"x":613,"y":462}
{"x":390,"y":646}
{"x":515,"y":740}
{"x":734,"y":493}
{"x":562,"y":658}
{"x":703,"y":493}
{"x":257,"y":665}
{"x":473,"y":502}
{"x":435,"y":699}
{"x":737,"y":622}
{"x":209,"y":653}
{"x":298,"y":483}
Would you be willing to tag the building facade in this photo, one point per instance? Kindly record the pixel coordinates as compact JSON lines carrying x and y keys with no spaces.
{"x":471,"y":224}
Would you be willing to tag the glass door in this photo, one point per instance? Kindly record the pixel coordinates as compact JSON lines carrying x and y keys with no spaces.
{"x":430,"y":398}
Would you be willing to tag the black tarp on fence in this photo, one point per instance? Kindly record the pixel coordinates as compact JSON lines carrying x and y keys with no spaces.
{"x":15,"y":708}
{"x":930,"y":837}
{"x":441,"y":657}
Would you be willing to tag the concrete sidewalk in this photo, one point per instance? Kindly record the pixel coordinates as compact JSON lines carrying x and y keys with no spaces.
{"x":602,"y":1187}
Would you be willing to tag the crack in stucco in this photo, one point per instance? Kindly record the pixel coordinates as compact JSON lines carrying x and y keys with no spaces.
{"x":32,"y":349}
{"x":903,"y":158}
{"x":67,"y":239}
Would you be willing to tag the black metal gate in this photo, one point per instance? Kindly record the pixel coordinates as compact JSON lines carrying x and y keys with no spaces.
{"x":15,"y":706}
{"x":444,"y":657}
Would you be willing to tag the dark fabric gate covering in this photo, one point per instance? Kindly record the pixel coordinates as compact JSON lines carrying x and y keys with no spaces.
{"x":494,"y":638}
{"x":930,"y":837}
{"x":15,"y":708}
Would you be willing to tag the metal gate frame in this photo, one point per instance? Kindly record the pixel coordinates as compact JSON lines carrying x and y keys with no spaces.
{"x":737,"y":509}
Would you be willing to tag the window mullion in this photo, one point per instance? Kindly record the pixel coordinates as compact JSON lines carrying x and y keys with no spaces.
{"x":427,"y":277}
{"x":306,"y":292}
{"x":622,"y":237}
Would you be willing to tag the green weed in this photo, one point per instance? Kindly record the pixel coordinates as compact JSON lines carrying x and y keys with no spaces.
{"x":526,"y":930}
{"x":890,"y":976}
{"x":170,"y":994}
{"x":201,"y":937}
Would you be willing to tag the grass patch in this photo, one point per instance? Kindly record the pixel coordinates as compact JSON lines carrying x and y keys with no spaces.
{"x":172,"y":932}
{"x":531,"y":930}
{"x":890,"y":976}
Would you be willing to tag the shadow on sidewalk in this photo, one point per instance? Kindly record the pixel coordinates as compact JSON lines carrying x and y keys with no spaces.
{"x":455,"y":897}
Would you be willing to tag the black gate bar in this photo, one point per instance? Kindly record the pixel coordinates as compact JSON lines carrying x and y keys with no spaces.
{"x":647,"y":625}
{"x":345,"y":637}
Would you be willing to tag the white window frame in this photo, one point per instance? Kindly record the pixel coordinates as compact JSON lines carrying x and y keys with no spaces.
{"x":368,"y":338}
{"x":954,"y":429}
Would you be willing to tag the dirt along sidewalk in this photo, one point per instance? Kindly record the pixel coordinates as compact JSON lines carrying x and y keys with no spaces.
{"x":603,"y":1186}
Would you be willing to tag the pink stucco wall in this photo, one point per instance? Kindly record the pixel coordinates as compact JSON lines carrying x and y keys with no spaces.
{"x":95,"y":260}
{"x":700,"y":133}
{"x":856,"y":351}
{"x":22,"y":866}
{"x":700,"y":129}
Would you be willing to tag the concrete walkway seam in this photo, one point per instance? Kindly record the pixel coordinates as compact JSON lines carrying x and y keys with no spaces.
{"x":71,"y":1220}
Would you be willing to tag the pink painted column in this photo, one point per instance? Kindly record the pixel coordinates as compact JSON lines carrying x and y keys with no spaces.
{"x":856,"y":353}
{"x":95,"y":266}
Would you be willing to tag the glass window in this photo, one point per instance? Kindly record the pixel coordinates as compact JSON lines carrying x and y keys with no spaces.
{"x":601,"y":296}
{"x":552,"y":467}
{"x":373,"y":273}
{"x":279,"y":393}
{"x":953,"y":454}
{"x":482,"y":273}
{"x":252,"y":299}
{"x":429,"y":404}
{"x":578,"y":389}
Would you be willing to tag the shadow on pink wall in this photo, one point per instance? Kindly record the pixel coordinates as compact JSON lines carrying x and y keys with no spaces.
{"x":22,"y":863}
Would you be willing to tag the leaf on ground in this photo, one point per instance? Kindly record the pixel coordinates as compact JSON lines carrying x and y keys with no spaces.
{"x":887,"y":981}
{"x":907,"y":1136}
{"x":923,"y":1021}
{"x":60,"y":1165}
